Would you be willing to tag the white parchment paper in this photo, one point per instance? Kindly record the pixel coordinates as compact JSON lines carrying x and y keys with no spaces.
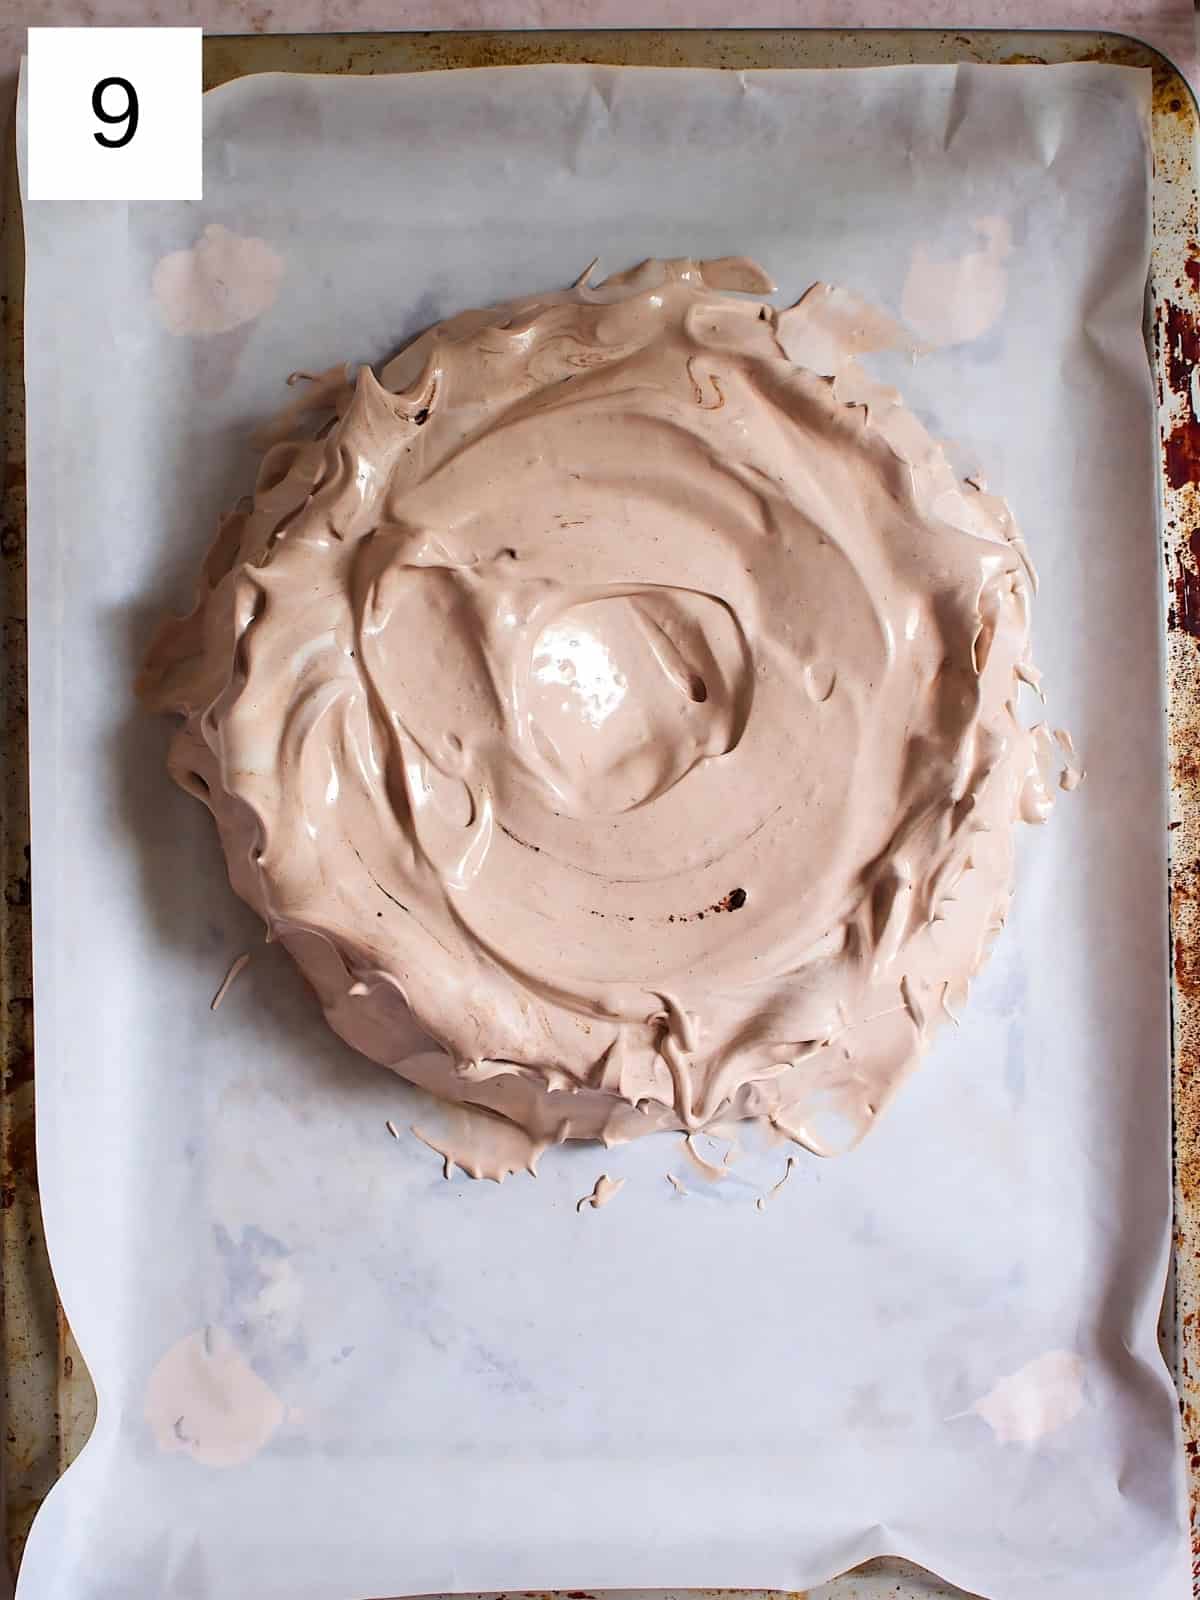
{"x":942,"y":1345}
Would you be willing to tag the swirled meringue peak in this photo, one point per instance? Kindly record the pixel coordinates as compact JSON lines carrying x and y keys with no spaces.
{"x":621,"y":685}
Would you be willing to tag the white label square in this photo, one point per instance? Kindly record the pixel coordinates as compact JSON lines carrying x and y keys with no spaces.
{"x":115,"y":114}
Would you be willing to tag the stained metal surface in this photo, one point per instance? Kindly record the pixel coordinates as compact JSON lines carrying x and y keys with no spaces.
{"x":1176,"y":311}
{"x":50,"y":1405}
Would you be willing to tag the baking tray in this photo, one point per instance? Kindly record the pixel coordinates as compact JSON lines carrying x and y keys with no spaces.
{"x":50,"y":1403}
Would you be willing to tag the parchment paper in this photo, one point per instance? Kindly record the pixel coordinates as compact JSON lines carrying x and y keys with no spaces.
{"x":942,"y":1345}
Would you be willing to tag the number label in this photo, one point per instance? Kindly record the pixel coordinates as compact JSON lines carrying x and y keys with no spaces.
{"x":113,"y":114}
{"x":129,"y":116}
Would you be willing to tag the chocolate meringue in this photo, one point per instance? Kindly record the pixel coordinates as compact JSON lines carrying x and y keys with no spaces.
{"x":620,"y":689}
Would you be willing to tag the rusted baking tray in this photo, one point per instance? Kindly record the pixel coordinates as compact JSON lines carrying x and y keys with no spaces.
{"x":50,"y":1405}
